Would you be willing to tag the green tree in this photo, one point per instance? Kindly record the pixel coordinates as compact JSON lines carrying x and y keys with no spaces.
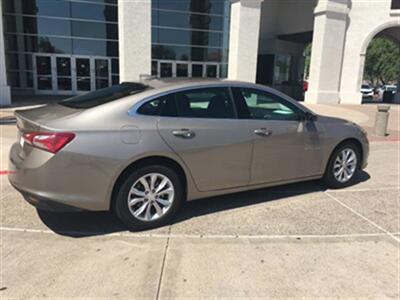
{"x":307,"y":55}
{"x":382,"y":63}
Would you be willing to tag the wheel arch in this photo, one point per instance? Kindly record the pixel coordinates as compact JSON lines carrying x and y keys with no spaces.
{"x":147,"y":161}
{"x":351,"y":140}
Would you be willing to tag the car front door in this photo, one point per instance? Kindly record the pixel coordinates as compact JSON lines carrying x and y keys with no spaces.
{"x":286,"y":146}
{"x":206,"y":134}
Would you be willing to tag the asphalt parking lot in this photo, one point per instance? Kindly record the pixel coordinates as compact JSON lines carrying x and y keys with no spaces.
{"x":293,"y":241}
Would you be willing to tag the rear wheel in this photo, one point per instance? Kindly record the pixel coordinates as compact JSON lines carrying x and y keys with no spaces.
{"x":149,"y":197}
{"x":343,"y":166}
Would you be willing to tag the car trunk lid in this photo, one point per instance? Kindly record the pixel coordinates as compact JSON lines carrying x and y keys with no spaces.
{"x":37,"y":118}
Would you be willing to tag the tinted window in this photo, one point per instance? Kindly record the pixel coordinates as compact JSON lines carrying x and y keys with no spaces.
{"x":94,"y":30}
{"x":47,"y":44}
{"x":266,"y":106}
{"x":9,"y":23}
{"x":205,"y":103}
{"x":93,"y":47}
{"x":193,"y":21}
{"x":164,"y":106}
{"x":210,"y":6}
{"x":94,"y":12}
{"x":47,"y":26}
{"x":186,"y":37}
{"x":103,"y":96}
{"x":186,"y":53}
{"x":46,"y":8}
{"x":8,"y":6}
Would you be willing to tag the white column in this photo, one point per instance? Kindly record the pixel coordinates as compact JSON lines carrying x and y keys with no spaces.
{"x":244,"y":36}
{"x":134,"y":21}
{"x":327,"y":51}
{"x":5,"y":91}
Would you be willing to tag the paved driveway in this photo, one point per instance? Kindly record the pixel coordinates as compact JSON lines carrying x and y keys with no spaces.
{"x":292,"y":241}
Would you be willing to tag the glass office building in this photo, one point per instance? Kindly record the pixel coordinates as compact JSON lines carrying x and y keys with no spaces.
{"x":63,"y":47}
{"x":60,"y":47}
{"x":190,"y":38}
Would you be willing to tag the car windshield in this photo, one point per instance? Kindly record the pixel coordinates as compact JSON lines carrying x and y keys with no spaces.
{"x":365,"y":86}
{"x":105,"y":95}
{"x":391,"y":88}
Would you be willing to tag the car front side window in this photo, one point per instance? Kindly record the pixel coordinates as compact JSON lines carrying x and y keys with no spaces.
{"x":262,"y":105}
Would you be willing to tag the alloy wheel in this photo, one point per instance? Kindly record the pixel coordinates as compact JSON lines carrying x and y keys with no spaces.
{"x":345,"y":165}
{"x":150,"y":197}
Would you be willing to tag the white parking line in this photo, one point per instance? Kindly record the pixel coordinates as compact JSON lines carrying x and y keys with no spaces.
{"x":389,"y":188}
{"x":201,"y":236}
{"x":363,"y":217}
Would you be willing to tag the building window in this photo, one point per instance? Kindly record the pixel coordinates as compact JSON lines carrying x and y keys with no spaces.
{"x":62,"y":27}
{"x":190,"y":31}
{"x":282,"y":69}
{"x":395,"y":4}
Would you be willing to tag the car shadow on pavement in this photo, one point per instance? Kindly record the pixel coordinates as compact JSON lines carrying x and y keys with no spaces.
{"x":211,"y":205}
{"x":85,"y":224}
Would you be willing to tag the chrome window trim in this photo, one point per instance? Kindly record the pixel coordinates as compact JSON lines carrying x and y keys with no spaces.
{"x":133,"y":110}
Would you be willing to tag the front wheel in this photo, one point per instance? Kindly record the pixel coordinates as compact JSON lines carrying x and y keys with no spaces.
{"x":149,"y":197}
{"x":343,"y":166}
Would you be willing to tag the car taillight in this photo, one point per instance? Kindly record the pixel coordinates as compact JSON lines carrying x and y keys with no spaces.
{"x":48,"y":141}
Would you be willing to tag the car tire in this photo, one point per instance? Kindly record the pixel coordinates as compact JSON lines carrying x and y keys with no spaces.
{"x":332,"y":177}
{"x":134,"y":182}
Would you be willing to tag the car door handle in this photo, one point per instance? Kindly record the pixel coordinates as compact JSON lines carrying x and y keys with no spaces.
{"x":184,"y":133}
{"x":263,"y":132}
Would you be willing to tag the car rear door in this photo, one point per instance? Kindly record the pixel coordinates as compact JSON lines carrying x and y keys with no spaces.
{"x":286,"y":147}
{"x":206,"y":134}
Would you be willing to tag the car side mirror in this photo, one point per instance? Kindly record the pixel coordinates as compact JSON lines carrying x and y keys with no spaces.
{"x":308,"y":116}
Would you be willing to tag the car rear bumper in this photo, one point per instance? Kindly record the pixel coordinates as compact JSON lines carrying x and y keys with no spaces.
{"x":58,"y":182}
{"x":46,"y":204}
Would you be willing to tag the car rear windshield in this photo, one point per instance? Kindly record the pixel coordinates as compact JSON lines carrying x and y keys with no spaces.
{"x":105,"y":95}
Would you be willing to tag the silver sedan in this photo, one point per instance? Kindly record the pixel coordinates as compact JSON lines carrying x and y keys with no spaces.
{"x":141,"y":149}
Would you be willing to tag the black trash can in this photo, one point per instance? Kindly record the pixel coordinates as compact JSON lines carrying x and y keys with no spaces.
{"x":388,"y":97}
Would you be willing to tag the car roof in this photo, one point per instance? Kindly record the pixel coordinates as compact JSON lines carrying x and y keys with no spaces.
{"x":176,"y":83}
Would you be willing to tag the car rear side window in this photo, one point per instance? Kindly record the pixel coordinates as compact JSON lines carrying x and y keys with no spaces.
{"x":212,"y":103}
{"x":164,"y":106}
